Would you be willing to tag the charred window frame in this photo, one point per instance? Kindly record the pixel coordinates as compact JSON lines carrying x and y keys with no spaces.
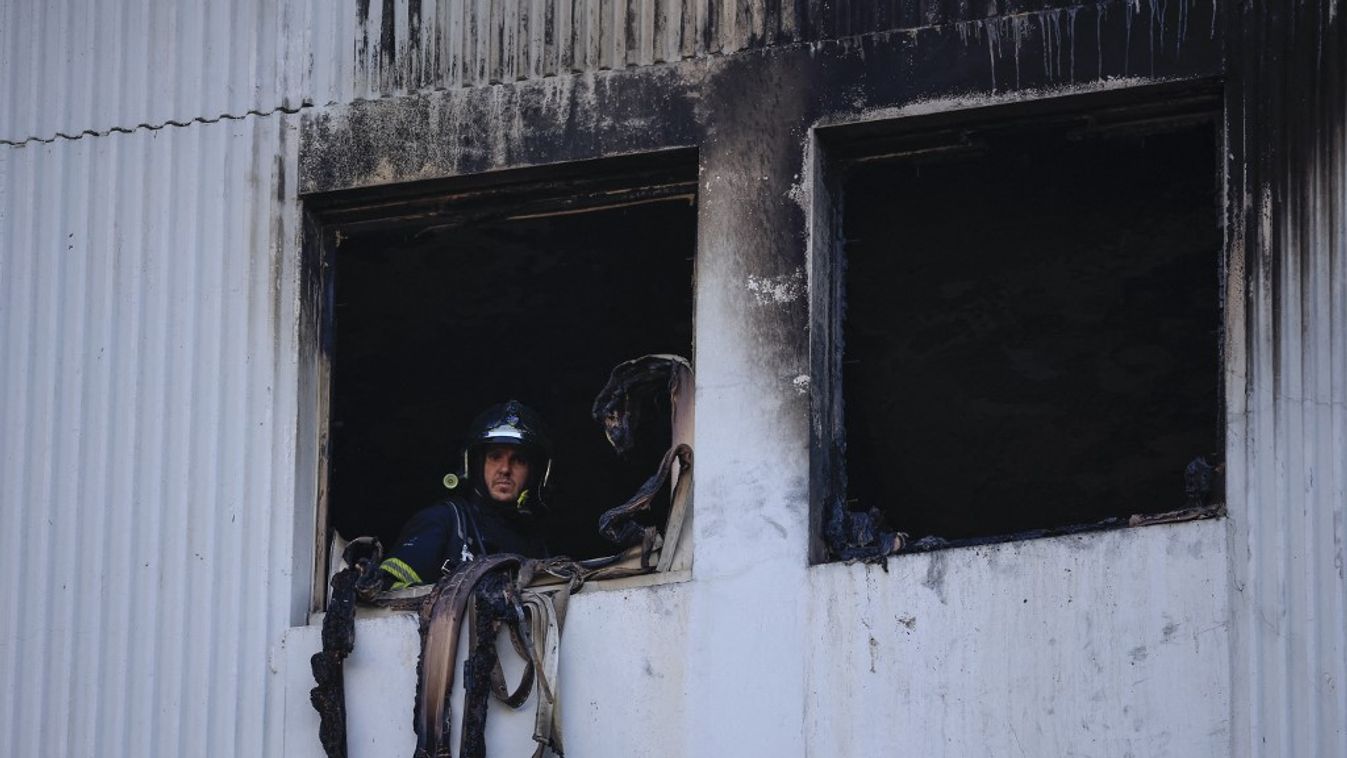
{"x":844,"y":157}
{"x":569,"y":208}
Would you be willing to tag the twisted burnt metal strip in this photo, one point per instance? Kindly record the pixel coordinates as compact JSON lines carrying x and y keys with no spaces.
{"x":495,"y":602}
{"x":361,"y":556}
{"x":441,"y":615}
{"x":618,"y":524}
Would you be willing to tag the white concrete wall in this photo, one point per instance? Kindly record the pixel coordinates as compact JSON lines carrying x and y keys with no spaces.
{"x":623,"y":653}
{"x":1106,"y":644}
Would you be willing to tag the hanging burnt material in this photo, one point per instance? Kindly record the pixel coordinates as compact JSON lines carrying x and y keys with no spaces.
{"x":329,"y":697}
{"x":493,"y":592}
{"x":494,"y":585}
{"x":1202,"y":494}
{"x":861,"y":535}
{"x":441,"y":617}
{"x":490,"y":593}
{"x":636,"y":390}
{"x":495,"y":602}
{"x":619,"y":524}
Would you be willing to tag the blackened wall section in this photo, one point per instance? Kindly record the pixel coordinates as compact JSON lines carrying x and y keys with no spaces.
{"x":750,"y":116}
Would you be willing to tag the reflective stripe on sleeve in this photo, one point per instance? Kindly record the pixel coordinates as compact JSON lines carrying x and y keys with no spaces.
{"x":405,"y":574}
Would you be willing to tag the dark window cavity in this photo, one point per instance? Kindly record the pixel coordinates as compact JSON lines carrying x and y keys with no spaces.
{"x":460,"y":301}
{"x":1031,"y":324}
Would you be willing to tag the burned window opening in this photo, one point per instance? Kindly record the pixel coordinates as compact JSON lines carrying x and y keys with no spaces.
{"x":1031,"y":330}
{"x":441,"y":305}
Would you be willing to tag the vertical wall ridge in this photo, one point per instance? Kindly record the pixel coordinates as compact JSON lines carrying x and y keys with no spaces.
{"x":288,"y":532}
{"x":132,"y":163}
{"x":77,"y":255}
{"x":22,"y":224}
{"x":103,"y":396}
{"x":11,"y":559}
{"x":222,"y":547}
{"x":196,"y":497}
{"x":41,"y":571}
{"x":164,"y":542}
{"x":1289,"y":73}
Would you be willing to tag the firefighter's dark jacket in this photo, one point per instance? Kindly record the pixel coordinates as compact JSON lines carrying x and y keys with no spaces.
{"x":462,"y":526}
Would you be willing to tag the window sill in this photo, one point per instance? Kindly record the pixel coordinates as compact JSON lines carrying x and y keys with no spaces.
{"x":1216,"y":511}
{"x":653,"y":579}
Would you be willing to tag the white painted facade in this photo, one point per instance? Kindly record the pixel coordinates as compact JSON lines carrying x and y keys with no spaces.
{"x":157,"y":476}
{"x":1083,"y":645}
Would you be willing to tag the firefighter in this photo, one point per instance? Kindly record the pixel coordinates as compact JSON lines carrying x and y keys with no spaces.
{"x":492,"y":508}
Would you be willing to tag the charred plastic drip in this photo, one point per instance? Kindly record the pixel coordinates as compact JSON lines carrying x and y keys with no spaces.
{"x":329,"y":697}
{"x":636,"y":390}
{"x":618,"y":524}
{"x":441,"y":617}
{"x":861,"y":535}
{"x":494,"y":603}
{"x":1203,"y":498}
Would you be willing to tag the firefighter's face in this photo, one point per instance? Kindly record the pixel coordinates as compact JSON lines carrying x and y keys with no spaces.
{"x":505,"y":470}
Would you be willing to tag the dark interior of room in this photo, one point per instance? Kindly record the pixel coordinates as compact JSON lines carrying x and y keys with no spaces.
{"x":1031,"y":330}
{"x":431,"y":325}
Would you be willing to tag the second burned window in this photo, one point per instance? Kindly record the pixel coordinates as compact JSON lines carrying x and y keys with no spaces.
{"x":1031,"y":327}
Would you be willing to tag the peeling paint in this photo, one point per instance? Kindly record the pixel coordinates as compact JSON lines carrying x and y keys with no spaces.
{"x":776,"y":290}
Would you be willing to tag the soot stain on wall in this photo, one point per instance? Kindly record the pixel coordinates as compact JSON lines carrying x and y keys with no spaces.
{"x":749,"y":114}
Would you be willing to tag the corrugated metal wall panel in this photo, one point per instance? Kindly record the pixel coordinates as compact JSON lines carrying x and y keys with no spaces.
{"x":147,"y":421}
{"x":72,"y":66}
{"x":1288,"y":442}
{"x":399,"y":46}
{"x":76,"y":66}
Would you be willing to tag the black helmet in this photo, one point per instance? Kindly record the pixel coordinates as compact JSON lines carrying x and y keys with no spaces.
{"x":510,"y":423}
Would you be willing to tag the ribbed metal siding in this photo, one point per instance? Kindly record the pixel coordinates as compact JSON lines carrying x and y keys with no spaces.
{"x":1288,"y":467}
{"x":147,"y":421}
{"x":377,"y":48}
{"x":68,"y":67}
{"x":477,"y":42}
{"x":71,"y":66}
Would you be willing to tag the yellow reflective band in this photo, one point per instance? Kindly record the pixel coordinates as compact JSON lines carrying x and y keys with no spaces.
{"x":405,"y":574}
